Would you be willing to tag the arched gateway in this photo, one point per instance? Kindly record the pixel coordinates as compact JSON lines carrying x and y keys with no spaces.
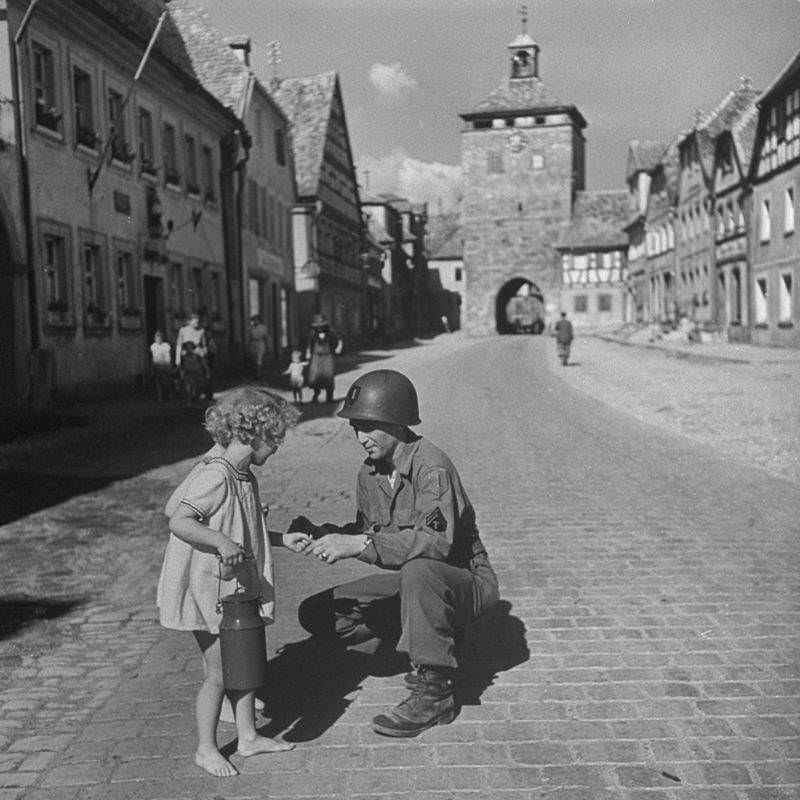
{"x":519,"y":307}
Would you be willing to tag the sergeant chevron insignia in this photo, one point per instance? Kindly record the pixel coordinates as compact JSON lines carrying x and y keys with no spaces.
{"x":435,"y":520}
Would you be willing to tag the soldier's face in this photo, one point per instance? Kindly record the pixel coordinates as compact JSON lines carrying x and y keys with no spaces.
{"x":379,"y":439}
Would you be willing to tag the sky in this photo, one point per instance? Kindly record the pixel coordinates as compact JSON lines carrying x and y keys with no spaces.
{"x":635,"y":69}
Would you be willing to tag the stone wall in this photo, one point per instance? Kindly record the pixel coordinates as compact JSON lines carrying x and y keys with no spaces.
{"x":512,"y":218}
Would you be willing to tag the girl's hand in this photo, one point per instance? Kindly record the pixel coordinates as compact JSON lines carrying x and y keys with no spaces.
{"x":296,"y":541}
{"x":229,"y":552}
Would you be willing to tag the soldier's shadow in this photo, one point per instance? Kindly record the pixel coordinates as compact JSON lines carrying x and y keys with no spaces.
{"x":310,"y":681}
{"x":494,"y":643}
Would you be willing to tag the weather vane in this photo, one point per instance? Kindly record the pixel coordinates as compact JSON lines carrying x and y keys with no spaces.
{"x":523,"y":13}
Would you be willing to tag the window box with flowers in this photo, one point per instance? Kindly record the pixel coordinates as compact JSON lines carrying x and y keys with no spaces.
{"x":193,"y":188}
{"x":209,"y":196}
{"x":130,"y":318}
{"x":172,"y":178}
{"x":97,"y":317}
{"x":48,"y":117}
{"x":148,"y":168}
{"x":88,"y":138}
{"x":121,"y":152}
{"x":59,"y":314}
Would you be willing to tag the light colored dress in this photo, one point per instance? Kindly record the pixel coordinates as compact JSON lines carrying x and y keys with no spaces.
{"x":227,"y":501}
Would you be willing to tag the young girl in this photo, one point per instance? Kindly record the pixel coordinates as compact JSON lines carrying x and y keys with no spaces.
{"x":217,"y":529}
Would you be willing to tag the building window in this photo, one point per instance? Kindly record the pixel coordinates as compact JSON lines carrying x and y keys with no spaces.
{"x":252,"y":206}
{"x":120,"y":151}
{"x":147,"y":158}
{"x":84,"y":108}
{"x":580,"y":303}
{"x":54,"y":267}
{"x":765,"y":227}
{"x":48,"y":114}
{"x":761,"y":307}
{"x":459,"y":274}
{"x":785,"y":300}
{"x":604,"y":302}
{"x":280,"y":147}
{"x":170,"y":151}
{"x":197,"y":289}
{"x":176,"y":292}
{"x":495,"y":162}
{"x":207,"y":165}
{"x":127,"y":295}
{"x":192,"y":184}
{"x":788,"y":210}
{"x":95,"y":296}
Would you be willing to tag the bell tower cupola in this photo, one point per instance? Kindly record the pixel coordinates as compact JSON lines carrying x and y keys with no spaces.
{"x":524,"y":52}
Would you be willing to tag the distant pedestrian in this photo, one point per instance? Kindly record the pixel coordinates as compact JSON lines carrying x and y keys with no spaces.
{"x":323,"y":346}
{"x":218,"y":535}
{"x":564,"y":337}
{"x":259,"y":344}
{"x":296,"y":373}
{"x":161,"y":365}
{"x":192,"y":332}
{"x":445,"y":323}
{"x":194,"y":373}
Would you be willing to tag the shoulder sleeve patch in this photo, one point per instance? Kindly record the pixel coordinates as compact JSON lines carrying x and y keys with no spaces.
{"x":435,"y":483}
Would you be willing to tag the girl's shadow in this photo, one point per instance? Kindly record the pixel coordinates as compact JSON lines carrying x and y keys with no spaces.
{"x":309,"y":685}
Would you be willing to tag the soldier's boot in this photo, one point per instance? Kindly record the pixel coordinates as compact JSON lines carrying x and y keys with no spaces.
{"x":429,"y":703}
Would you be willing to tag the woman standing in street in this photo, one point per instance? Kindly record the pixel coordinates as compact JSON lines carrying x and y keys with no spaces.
{"x":323,"y":346}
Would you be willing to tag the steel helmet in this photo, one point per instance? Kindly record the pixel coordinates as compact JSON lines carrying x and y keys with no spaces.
{"x":383,"y":395}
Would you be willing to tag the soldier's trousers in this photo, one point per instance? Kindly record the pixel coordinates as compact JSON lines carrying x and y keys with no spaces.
{"x":421,"y":607}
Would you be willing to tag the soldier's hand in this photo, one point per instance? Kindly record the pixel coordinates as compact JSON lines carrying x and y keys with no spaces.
{"x":294,"y":540}
{"x":335,"y":546}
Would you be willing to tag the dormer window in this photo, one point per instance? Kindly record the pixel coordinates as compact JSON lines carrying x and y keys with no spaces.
{"x":521,"y":64}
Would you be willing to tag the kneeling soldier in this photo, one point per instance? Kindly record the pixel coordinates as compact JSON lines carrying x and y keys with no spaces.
{"x":415,"y":522}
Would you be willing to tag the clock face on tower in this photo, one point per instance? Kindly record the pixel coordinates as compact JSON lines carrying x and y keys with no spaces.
{"x":516,"y":141}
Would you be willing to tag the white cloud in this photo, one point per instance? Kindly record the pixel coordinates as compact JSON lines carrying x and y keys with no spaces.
{"x":391,"y":80}
{"x":418,"y":181}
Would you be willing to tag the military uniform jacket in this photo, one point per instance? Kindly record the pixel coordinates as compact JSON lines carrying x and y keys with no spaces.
{"x":426,"y":515}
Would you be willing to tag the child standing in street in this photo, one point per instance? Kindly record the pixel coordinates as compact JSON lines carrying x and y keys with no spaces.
{"x":296,"y":373}
{"x":218,"y":536}
{"x":161,"y":363}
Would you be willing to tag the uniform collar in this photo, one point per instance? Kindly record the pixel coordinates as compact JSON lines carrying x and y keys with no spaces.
{"x":403,"y":457}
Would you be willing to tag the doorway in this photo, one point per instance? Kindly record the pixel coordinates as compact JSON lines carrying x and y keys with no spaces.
{"x":154,"y":316}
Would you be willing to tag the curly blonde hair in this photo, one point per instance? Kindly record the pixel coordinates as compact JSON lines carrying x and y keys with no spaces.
{"x":248,"y":414}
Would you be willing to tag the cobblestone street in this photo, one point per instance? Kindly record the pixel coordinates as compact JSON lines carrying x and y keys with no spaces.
{"x":642,"y":515}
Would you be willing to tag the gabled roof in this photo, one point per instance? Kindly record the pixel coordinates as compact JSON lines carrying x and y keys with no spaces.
{"x":643,"y":156}
{"x":307,"y":102}
{"x":215,"y":64}
{"x":522,"y":96}
{"x":744,"y":136}
{"x":598,"y":220}
{"x":784,"y":76}
{"x":722,"y":118}
{"x":444,"y":237}
{"x":137,"y":20}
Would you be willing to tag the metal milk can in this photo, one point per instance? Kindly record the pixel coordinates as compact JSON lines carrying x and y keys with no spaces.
{"x":243,"y":642}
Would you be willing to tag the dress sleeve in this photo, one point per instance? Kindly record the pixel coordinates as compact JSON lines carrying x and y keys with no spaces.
{"x":206,"y":492}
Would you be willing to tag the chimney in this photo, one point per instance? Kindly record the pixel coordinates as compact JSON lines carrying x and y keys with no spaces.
{"x":241,"y":46}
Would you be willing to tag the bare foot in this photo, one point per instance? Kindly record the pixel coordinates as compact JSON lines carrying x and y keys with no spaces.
{"x":214,"y":763}
{"x":262,"y":744}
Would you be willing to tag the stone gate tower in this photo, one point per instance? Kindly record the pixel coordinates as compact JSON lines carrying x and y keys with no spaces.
{"x":522,"y":158}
